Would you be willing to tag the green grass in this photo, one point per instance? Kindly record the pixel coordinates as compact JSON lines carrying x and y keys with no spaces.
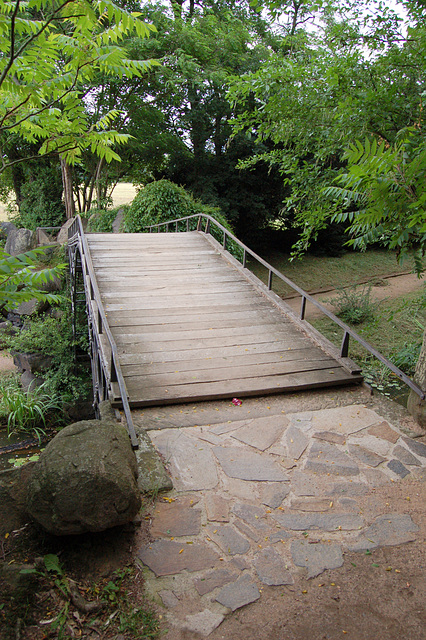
{"x":313,"y":273}
{"x":396,"y":330}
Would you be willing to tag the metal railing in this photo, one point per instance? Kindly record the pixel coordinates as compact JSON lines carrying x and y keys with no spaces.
{"x":204,"y":223}
{"x":106,"y":368}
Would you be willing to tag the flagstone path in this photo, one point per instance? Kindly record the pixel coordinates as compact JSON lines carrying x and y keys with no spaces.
{"x":260,"y":499}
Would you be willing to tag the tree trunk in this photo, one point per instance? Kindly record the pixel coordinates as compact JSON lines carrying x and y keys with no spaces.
{"x":416,"y":406}
{"x":68,"y":193}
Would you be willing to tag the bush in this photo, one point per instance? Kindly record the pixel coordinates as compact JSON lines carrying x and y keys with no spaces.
{"x":354,"y":305}
{"x":53,"y":337}
{"x":101,"y":220}
{"x":161,"y":201}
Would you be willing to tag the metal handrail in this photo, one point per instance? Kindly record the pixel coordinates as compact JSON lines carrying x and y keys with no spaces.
{"x":99,"y":323}
{"x":348,"y":332}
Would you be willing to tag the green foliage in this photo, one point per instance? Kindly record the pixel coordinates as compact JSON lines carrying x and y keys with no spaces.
{"x":161,"y":201}
{"x":21,"y":280}
{"x":384,"y":194}
{"x":53,"y":337}
{"x":26,"y":411}
{"x":101,"y":220}
{"x":39,"y":194}
{"x":354,"y":305}
{"x":51,"y":52}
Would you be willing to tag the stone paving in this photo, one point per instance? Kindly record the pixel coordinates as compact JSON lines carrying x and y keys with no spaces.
{"x":259,"y":499}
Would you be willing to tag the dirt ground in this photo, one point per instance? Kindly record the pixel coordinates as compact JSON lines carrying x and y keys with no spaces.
{"x":377,"y":596}
{"x":390,"y":287}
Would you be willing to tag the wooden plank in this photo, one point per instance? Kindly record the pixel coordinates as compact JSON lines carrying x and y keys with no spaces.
{"x":172,"y":355}
{"x":175,"y":378}
{"x":163,"y":291}
{"x":241,"y":361}
{"x":227,"y":389}
{"x":282,"y":332}
{"x":223,"y":320}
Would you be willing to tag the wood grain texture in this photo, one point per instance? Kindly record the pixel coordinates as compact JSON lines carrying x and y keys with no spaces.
{"x":191,"y":326}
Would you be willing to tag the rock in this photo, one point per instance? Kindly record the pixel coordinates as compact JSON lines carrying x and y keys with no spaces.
{"x":203,"y":623}
{"x":6,"y":227}
{"x":167,"y":557}
{"x":152,"y":475}
{"x":387,"y":531}
{"x":31,"y":307}
{"x":34,"y":362}
{"x":316,"y":557}
{"x":43,"y":239}
{"x":13,"y":491}
{"x":62,"y":237}
{"x":271,"y":568}
{"x":247,"y":465}
{"x":239,"y":593}
{"x":419,"y":448}
{"x":328,"y":459}
{"x":29,"y":381}
{"x":116,"y":225}
{"x":20,"y":241}
{"x":213,"y":580}
{"x":85,"y":480}
{"x":6,"y":329}
{"x":228,"y":539}
{"x":398,"y":468}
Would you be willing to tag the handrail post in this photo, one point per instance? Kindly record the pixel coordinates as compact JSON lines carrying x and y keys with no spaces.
{"x":244,"y":258}
{"x":303,"y":308}
{"x":270,"y":274}
{"x":208,"y":226}
{"x":224,"y":239}
{"x":187,"y":224}
{"x":199,"y":223}
{"x":344,"y":348}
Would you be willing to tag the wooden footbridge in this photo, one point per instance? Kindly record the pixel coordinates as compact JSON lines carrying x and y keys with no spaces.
{"x":174,"y":317}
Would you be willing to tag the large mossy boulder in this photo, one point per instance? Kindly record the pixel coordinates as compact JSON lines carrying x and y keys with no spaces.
{"x":85,"y":480}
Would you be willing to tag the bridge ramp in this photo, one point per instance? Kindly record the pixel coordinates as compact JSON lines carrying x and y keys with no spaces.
{"x":191,"y":326}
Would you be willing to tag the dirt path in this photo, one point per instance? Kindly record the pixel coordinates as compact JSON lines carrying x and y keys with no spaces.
{"x":389,"y":287}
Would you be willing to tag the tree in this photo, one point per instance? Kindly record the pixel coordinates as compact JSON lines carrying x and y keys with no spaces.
{"x":51,"y":53}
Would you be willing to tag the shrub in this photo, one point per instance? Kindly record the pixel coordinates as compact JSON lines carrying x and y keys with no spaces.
{"x":354,"y":305}
{"x":161,"y":201}
{"x":101,"y":220}
{"x":53,"y":337}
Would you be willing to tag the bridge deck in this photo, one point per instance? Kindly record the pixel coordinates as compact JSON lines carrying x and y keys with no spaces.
{"x":190,"y":326}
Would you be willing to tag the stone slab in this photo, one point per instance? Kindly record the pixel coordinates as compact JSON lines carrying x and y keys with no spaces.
{"x":213,"y":580}
{"x":227,"y":427}
{"x":202,"y":623}
{"x":311,"y":504}
{"x":365,"y":456}
{"x":383,"y":430}
{"x":247,"y":531}
{"x":349,"y":489}
{"x":193,"y":467}
{"x":280,"y":536}
{"x":217,"y":508}
{"x":405,"y":456}
{"x":322,"y":521}
{"x":228,"y":539}
{"x":152,"y":475}
{"x":330,"y":436}
{"x":239,"y":593}
{"x":419,"y":448}
{"x":252,"y":515}
{"x":296,"y":442}
{"x":242,"y":463}
{"x":308,"y":484}
{"x":387,"y":531}
{"x":261,"y":433}
{"x":377,"y":445}
{"x":273,"y":494}
{"x":167,"y":557}
{"x":344,"y":420}
{"x":271,"y":568}
{"x":176,"y":519}
{"x":316,"y":557}
{"x":168,"y":598}
{"x":398,"y":468}
{"x":326,"y":458}
{"x":301,"y":420}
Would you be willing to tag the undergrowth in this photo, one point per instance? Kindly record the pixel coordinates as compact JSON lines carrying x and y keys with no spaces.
{"x":396,"y":330}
